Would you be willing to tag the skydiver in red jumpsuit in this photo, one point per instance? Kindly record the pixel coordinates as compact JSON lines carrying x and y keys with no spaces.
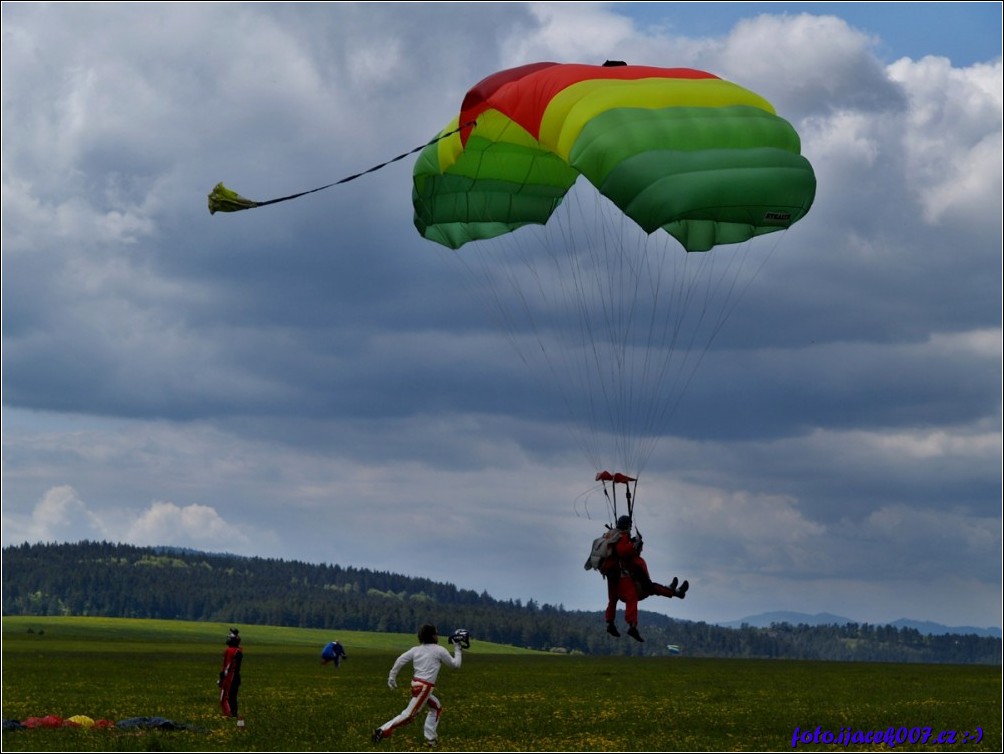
{"x":628,"y":580}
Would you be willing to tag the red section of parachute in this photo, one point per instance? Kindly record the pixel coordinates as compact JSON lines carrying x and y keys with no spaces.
{"x":524,"y":93}
{"x":618,"y":478}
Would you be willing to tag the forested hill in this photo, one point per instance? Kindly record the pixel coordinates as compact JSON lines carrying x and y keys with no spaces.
{"x":113,"y":580}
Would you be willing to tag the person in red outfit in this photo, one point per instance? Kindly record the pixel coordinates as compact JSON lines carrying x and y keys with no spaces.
{"x":230,"y":674}
{"x":628,"y":580}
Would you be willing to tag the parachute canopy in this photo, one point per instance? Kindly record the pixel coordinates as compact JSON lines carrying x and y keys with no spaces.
{"x":620,"y":322}
{"x":674,"y":148}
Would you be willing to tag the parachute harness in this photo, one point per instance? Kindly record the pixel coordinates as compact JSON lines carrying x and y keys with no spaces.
{"x":629,"y":491}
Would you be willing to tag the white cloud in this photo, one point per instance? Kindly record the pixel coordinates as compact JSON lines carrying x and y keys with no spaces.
{"x":62,"y":516}
{"x":977,"y":537}
{"x":952,"y":136}
{"x":766,"y":533}
{"x":845,"y":140}
{"x":59,"y":516}
{"x":580,"y":33}
{"x":197,"y":526}
{"x":807,"y":63}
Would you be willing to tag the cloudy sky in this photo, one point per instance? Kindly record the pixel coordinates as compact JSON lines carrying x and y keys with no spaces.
{"x":314,"y":381}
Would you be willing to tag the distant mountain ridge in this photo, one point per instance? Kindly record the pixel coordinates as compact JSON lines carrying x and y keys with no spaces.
{"x":928,"y":628}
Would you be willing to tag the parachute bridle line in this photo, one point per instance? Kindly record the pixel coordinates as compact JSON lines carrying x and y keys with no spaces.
{"x":222,"y":199}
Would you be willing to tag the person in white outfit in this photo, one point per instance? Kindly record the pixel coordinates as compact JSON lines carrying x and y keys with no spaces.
{"x":428,"y":657}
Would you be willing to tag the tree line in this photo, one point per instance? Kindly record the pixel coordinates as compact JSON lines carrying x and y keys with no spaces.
{"x":117,"y":580}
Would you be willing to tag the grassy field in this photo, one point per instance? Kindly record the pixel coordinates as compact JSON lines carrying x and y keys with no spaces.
{"x":503,"y":699}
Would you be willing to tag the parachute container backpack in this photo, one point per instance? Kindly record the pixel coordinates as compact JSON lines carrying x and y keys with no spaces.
{"x":674,"y":161}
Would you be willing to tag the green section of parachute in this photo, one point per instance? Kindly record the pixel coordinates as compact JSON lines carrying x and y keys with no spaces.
{"x":707,"y":176}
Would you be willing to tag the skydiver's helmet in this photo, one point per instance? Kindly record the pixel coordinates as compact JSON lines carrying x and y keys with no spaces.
{"x":234,"y":638}
{"x":462,"y":637}
{"x":624,"y":523}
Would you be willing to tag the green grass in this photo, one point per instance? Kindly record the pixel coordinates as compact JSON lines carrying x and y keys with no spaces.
{"x":503,"y":699}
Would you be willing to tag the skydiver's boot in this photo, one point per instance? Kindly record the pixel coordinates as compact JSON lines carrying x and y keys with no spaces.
{"x":681,"y":592}
{"x":633,"y":633}
{"x":612,"y":629}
